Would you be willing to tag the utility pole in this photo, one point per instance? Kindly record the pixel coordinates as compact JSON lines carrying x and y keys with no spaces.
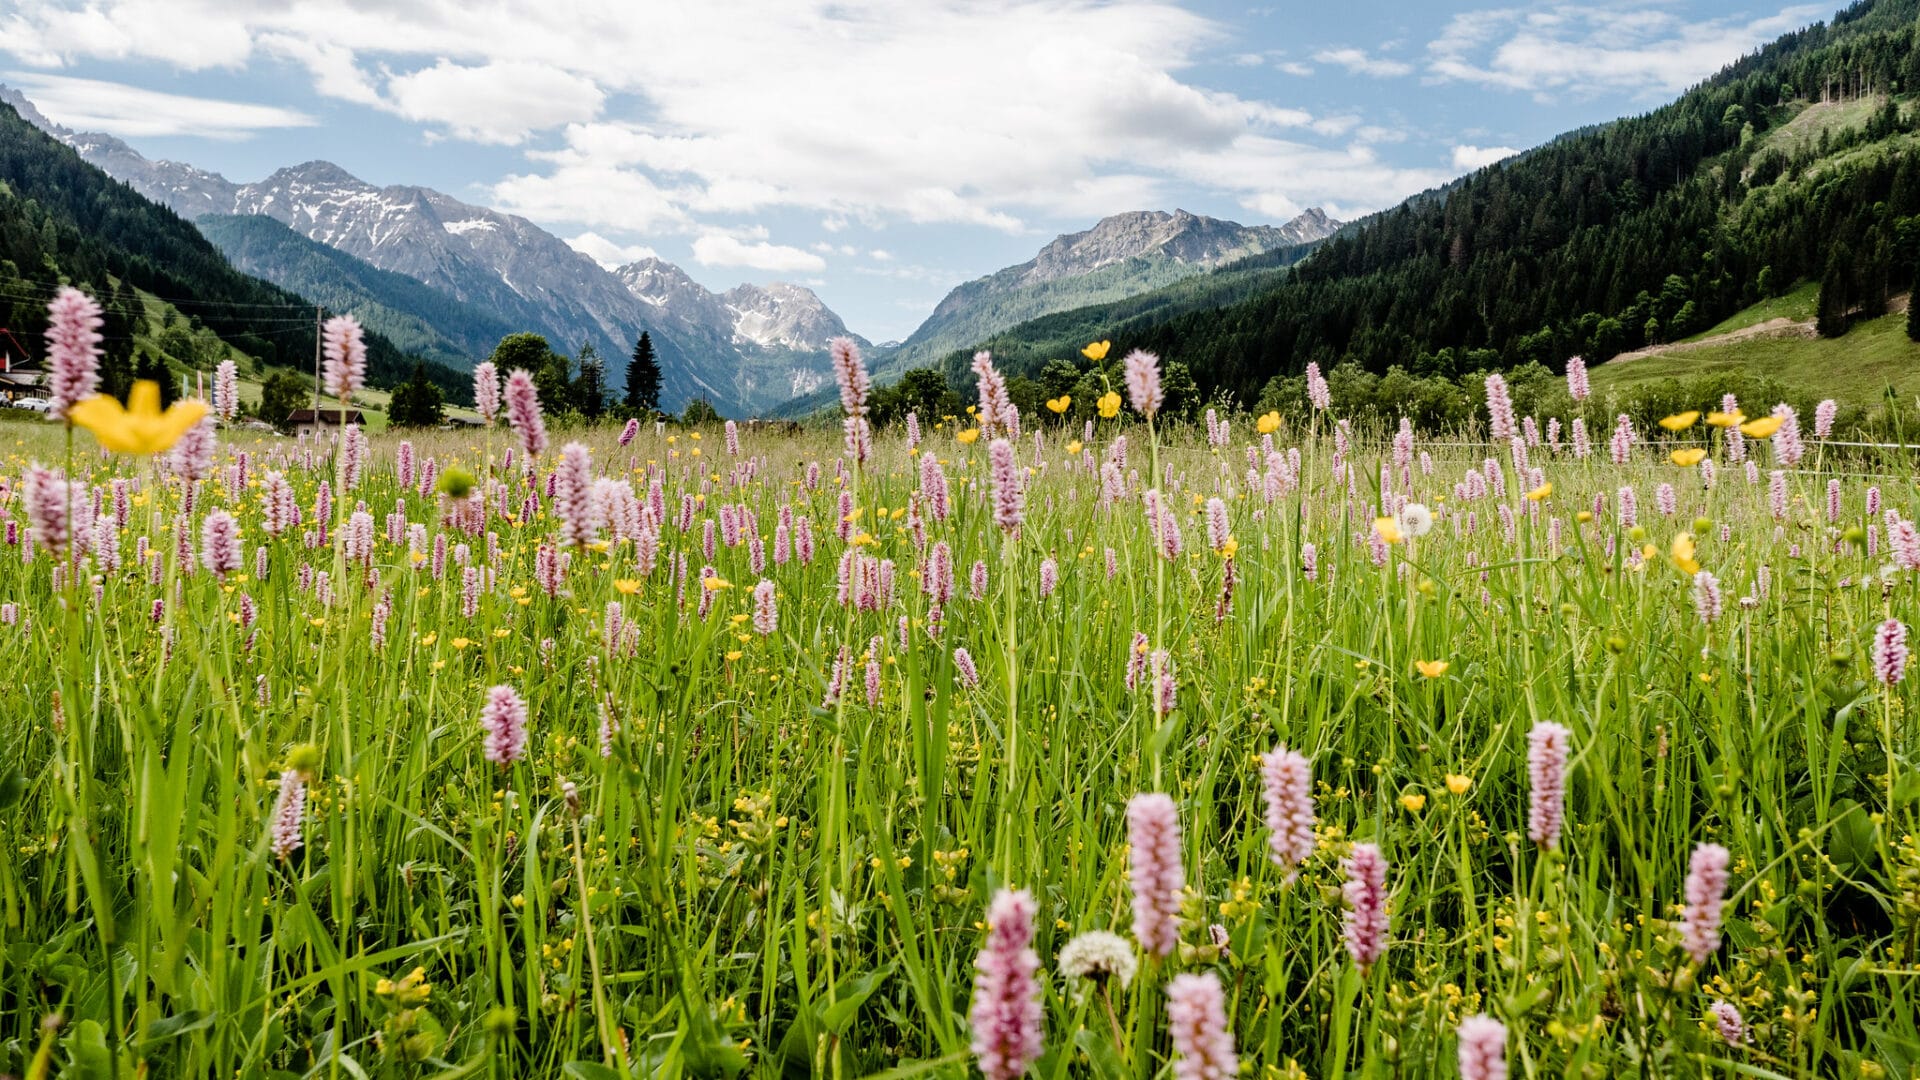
{"x":319,"y":331}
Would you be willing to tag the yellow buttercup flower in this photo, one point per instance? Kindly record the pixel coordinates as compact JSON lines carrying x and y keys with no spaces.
{"x":715,"y":584}
{"x":1724,"y":419}
{"x":1060,"y":404}
{"x":1431,"y":669}
{"x":1688,"y":457}
{"x":1074,"y":448}
{"x":140,"y":427}
{"x":627,"y":585}
{"x":1389,"y":529}
{"x":1762,"y":428}
{"x":1682,"y":554}
{"x":1544,"y":491}
{"x":1681,"y":421}
{"x":1268,"y":423}
{"x":1414,"y":803}
{"x":969,"y":436}
{"x":1096,"y":351}
{"x":1230,"y":548}
{"x":1458,"y":784}
{"x":1109,"y":404}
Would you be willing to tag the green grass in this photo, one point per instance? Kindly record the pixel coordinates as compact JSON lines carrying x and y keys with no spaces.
{"x":706,"y":862}
{"x":1857,"y":367}
{"x":1816,"y":118}
{"x":1799,"y":304}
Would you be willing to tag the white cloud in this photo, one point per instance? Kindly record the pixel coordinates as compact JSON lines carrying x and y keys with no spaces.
{"x":1467,"y":158}
{"x":501,"y":102}
{"x":1358,"y":62}
{"x":992,"y":113}
{"x":1295,"y":67}
{"x":1585,"y":49}
{"x":94,"y":105}
{"x":719,"y":249}
{"x":608,"y":253}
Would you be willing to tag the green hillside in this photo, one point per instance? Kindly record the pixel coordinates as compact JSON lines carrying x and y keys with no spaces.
{"x":418,"y":319}
{"x":1857,"y":368}
{"x":1796,"y":163}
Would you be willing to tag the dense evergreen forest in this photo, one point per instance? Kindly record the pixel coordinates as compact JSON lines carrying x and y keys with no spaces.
{"x":1641,"y":231}
{"x":63,"y":221}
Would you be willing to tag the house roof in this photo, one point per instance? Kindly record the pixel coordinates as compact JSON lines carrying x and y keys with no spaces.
{"x":324,"y":416}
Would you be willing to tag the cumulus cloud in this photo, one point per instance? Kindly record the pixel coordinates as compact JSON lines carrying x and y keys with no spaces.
{"x":720,"y":249}
{"x":657,"y":115}
{"x":1467,"y":158}
{"x":119,"y":109}
{"x":1636,"y":48}
{"x":501,"y":102}
{"x":608,"y":253}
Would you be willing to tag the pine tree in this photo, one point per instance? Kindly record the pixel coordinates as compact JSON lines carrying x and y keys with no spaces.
{"x":1913,"y":309}
{"x":1835,"y":300}
{"x":416,"y":403}
{"x":590,"y":387}
{"x":643,"y":377}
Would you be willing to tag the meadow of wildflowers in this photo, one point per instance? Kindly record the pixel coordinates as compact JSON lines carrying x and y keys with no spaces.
{"x":982,"y":746}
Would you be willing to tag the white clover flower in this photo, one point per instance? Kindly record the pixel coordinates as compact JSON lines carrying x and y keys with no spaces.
{"x":1099,"y":954}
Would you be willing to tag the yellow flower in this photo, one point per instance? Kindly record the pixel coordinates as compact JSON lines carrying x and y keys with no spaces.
{"x":1544,"y":491}
{"x":1413,"y":803}
{"x":969,"y":436}
{"x":460,"y":642}
{"x":1583,"y":516}
{"x":715,"y":584}
{"x":1060,"y":404}
{"x":1680,"y":421}
{"x":1682,"y":554}
{"x":1688,"y":457}
{"x":1109,"y":403}
{"x":734,"y":654}
{"x":1458,"y":784}
{"x":140,"y":427}
{"x":1097,"y":351}
{"x":1230,"y":548}
{"x":1762,"y":428}
{"x":628,"y":585}
{"x":1725,"y":419}
{"x":1074,"y":448}
{"x":1431,"y":669}
{"x":1389,"y":529}
{"x":1268,"y":423}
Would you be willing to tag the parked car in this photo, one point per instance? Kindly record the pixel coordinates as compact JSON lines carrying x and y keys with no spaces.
{"x":33,"y":404}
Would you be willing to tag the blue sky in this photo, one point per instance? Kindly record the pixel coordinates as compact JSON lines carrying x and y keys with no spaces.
{"x":880,"y":151}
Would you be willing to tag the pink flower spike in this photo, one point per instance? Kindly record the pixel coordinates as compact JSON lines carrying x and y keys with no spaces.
{"x":1366,"y":897}
{"x":1006,"y":1013}
{"x":1483,"y":1049}
{"x":1158,"y":877}
{"x":1706,"y":891}
{"x":503,"y":724}
{"x":1197,"y":1021}
{"x":73,"y":349}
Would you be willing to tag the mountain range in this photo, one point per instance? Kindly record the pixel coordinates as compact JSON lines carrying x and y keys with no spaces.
{"x":1120,"y":256}
{"x":743,"y":350}
{"x":445,"y":279}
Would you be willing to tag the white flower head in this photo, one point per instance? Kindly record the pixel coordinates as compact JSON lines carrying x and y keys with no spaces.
{"x":1416,"y":519}
{"x":1099,"y":954}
